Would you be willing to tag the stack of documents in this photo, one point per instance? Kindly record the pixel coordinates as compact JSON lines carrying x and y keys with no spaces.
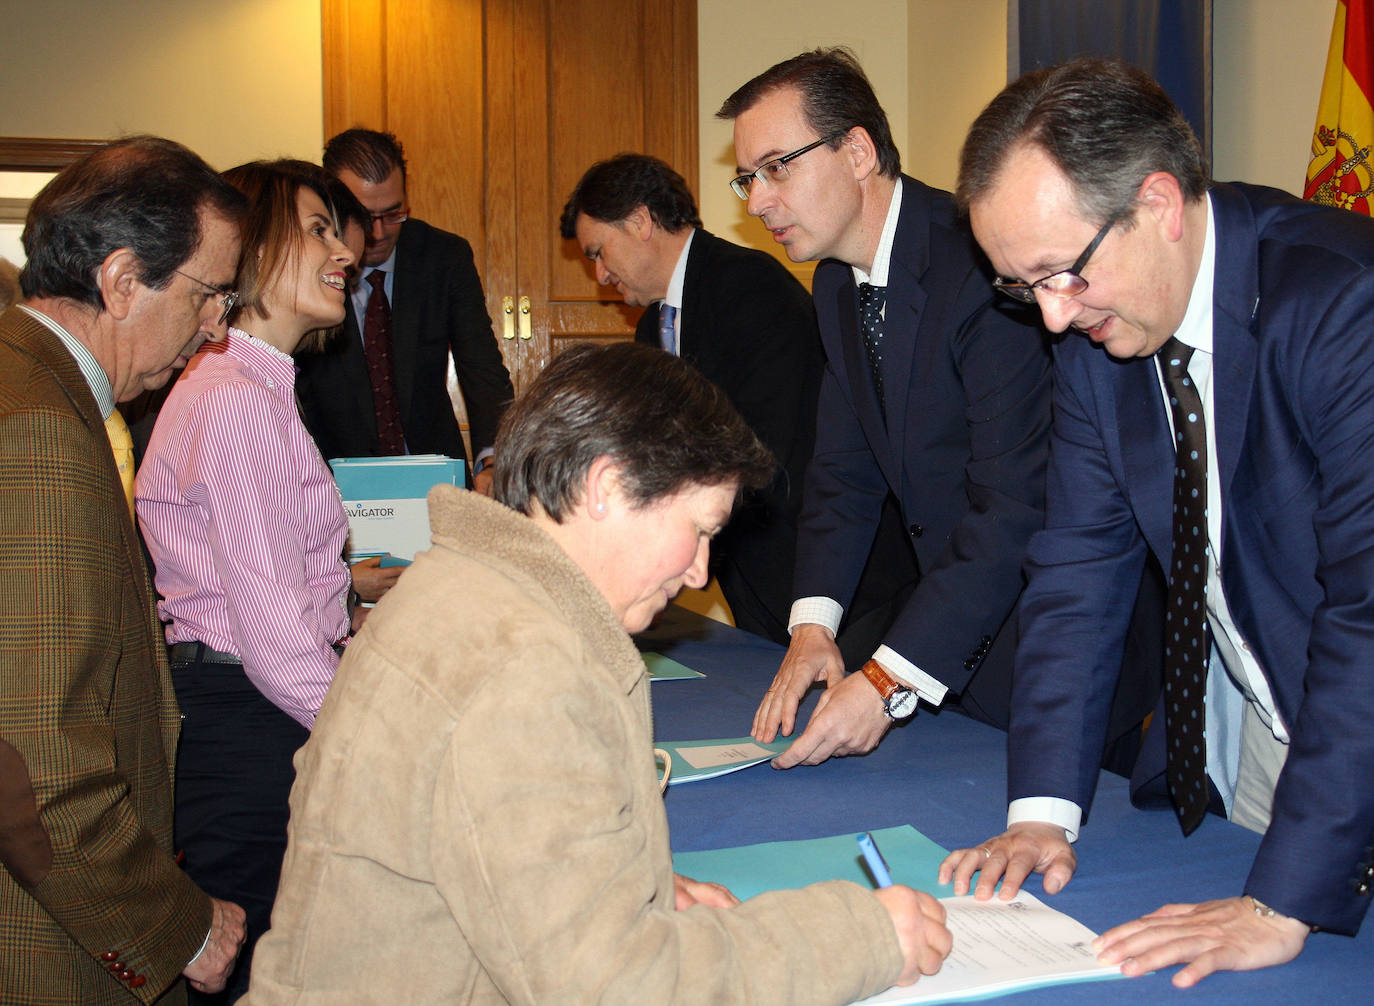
{"x":999,"y":946}
{"x":384,"y":499}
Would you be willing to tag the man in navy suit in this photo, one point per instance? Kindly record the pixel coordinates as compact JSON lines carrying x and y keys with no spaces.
{"x":749,"y":326}
{"x":745,"y":322}
{"x":946,"y":407}
{"x":1234,"y":321}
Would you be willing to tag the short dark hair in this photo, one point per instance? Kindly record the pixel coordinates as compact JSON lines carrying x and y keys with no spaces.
{"x":143,"y":193}
{"x":369,"y":153}
{"x":836,"y":96}
{"x":610,"y":191}
{"x":1104,"y":123}
{"x":346,"y":205}
{"x":663,"y":423}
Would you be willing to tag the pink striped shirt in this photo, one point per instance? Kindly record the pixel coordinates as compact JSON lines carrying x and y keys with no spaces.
{"x":245,"y":524}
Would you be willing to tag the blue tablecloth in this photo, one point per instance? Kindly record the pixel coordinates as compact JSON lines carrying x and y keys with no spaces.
{"x":946,"y":775}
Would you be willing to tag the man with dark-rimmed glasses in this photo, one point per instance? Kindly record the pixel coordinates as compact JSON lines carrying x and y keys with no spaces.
{"x":931,"y":394}
{"x":1214,"y":411}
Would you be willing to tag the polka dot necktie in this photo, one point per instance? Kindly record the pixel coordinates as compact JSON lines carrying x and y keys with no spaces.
{"x":377,"y":349}
{"x":1187,"y":645}
{"x":871,"y":299}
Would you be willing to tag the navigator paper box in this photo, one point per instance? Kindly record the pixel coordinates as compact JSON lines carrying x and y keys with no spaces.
{"x":384,"y":500}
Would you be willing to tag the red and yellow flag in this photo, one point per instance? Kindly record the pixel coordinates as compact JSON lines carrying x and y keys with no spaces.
{"x":1339,"y":173}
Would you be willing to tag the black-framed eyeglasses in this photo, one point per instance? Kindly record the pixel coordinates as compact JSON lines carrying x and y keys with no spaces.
{"x":391,"y":218}
{"x":1065,"y":283}
{"x":776,"y":170}
{"x":228,"y":299}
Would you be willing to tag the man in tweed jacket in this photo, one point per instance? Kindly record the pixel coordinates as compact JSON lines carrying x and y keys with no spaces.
{"x":131,"y":255}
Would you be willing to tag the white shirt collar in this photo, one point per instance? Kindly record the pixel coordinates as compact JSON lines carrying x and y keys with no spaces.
{"x":96,"y":378}
{"x":1196,"y":328}
{"x":674,"y":297}
{"x":882,"y":258}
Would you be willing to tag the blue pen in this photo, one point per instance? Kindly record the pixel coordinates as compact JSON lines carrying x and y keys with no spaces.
{"x":876,"y":864}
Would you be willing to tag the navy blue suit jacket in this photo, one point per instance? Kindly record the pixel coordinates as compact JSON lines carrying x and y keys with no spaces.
{"x":1293,"y":388}
{"x":438,"y":309}
{"x":749,"y":326}
{"x":962,"y":447}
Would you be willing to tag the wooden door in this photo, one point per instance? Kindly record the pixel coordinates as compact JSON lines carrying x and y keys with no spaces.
{"x":502,"y":105}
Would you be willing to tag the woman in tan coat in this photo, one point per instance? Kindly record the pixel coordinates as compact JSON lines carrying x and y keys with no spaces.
{"x":477,"y":818}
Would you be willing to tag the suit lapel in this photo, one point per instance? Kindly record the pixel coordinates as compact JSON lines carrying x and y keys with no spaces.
{"x":1235,"y":299}
{"x":906,"y":355}
{"x":697,"y":256}
{"x":357,"y":380}
{"x":1145,"y":447}
{"x":407,"y":295}
{"x":858,"y":376}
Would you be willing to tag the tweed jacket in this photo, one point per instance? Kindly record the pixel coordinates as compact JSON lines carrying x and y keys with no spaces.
{"x":477,"y":817}
{"x":88,"y":719}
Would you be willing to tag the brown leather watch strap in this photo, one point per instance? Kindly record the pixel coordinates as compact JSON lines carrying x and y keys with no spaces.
{"x":886,"y":684}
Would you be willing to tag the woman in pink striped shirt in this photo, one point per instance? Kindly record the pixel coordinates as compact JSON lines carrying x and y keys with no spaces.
{"x":245,"y":526}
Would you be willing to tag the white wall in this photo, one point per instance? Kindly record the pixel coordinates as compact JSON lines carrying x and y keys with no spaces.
{"x":232,"y":79}
{"x":738,"y":39}
{"x":1268,"y":57}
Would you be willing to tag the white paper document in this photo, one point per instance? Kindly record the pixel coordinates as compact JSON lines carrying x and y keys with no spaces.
{"x":1003,"y":946}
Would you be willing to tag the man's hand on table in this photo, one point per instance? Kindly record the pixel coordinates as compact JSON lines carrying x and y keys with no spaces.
{"x":691,"y":892}
{"x":1225,"y":935}
{"x":811,"y":656}
{"x":849,"y":718}
{"x":1024,"y":848}
{"x":924,"y":939}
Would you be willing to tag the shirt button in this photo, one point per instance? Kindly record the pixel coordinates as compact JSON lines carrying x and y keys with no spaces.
{"x":916,"y":530}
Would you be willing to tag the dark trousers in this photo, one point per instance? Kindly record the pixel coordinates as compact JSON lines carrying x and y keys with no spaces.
{"x":233,"y":780}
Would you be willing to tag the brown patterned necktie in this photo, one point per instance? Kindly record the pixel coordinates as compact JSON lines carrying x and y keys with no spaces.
{"x":1187,"y":644}
{"x":377,"y":347}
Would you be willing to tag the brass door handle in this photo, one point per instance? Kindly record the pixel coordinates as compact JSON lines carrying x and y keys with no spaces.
{"x":508,"y":317}
{"x":524,"y":319}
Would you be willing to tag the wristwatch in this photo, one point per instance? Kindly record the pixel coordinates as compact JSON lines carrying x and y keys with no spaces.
{"x":899,"y":701}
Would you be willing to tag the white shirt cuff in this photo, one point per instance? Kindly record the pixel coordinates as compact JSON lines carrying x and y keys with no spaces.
{"x":204,"y":943}
{"x":923,"y":684}
{"x":816,"y":610}
{"x":1049,"y":809}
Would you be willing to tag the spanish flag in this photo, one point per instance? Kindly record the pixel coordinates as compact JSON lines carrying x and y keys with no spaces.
{"x":1339,"y":173}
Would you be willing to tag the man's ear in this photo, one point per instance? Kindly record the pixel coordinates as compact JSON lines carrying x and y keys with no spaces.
{"x":1161,"y":197}
{"x":639,"y":222}
{"x":863,"y":151}
{"x":118,"y":279}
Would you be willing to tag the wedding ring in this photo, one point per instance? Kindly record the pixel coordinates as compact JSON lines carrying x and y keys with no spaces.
{"x":987,"y":853}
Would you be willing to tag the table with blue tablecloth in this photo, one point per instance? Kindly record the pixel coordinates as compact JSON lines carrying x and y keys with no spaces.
{"x":945,"y":775}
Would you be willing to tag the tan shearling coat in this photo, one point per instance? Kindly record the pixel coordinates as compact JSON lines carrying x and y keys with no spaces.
{"x":476,"y":817}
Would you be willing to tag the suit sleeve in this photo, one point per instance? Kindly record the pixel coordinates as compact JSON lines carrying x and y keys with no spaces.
{"x":968,"y":590}
{"x":69,"y":830}
{"x":481,"y":371}
{"x":1317,"y":857}
{"x":579,"y":908}
{"x":1084,"y":569}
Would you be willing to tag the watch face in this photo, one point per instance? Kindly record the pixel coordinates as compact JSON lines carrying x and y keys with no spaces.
{"x":902,"y":704}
